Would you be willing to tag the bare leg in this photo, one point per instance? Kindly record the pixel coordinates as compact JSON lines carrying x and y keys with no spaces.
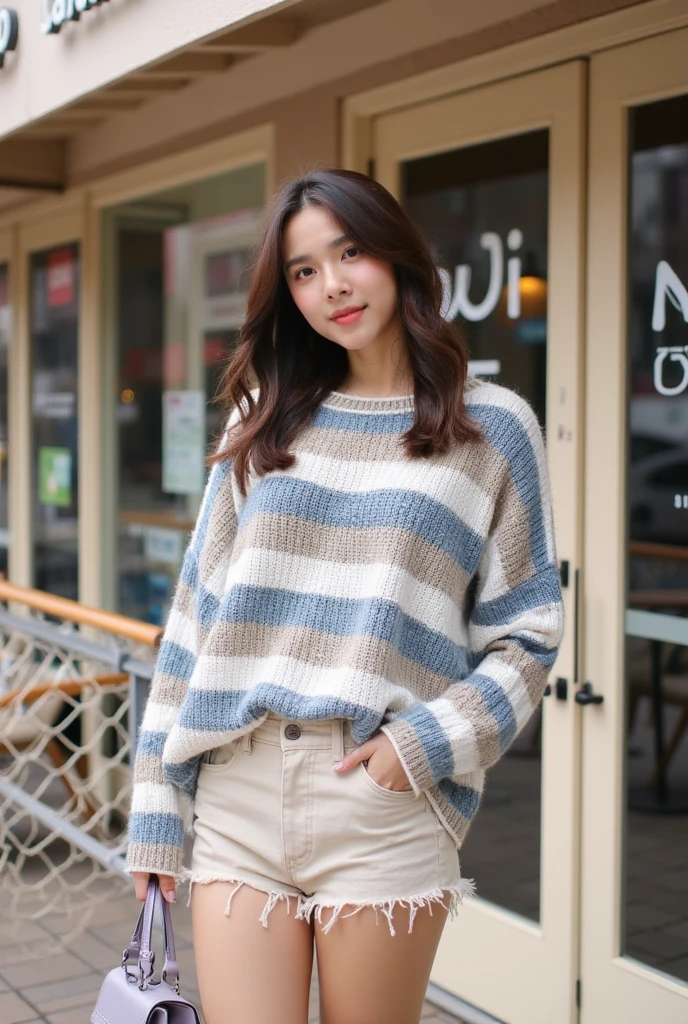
{"x":367,"y":975}
{"x":247,"y":972}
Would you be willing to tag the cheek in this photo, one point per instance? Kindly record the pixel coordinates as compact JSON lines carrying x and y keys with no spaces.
{"x":303,"y":300}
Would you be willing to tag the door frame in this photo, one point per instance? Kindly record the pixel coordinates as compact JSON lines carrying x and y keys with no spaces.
{"x":524,"y":952}
{"x":615,"y":986}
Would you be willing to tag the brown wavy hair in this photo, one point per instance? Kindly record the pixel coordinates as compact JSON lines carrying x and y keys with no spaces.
{"x":295,"y":368}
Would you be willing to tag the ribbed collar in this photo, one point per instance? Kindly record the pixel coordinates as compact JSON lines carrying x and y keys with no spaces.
{"x":352,"y":403}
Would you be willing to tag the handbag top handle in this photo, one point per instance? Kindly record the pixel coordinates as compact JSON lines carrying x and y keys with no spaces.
{"x":141,"y":940}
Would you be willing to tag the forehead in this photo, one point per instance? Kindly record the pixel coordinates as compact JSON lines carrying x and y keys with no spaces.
{"x":309,"y":231}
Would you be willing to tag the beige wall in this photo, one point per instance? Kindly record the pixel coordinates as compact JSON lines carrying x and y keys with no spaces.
{"x":48,"y":71}
{"x":300,"y":88}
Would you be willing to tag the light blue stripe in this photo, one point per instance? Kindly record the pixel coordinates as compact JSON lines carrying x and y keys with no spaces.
{"x":165,"y":829}
{"x":539,"y":590}
{"x":506,"y":434}
{"x":463,"y":799}
{"x":340,"y":616}
{"x":496,"y":700}
{"x":175,"y":661}
{"x":432,"y":738}
{"x":230,"y":711}
{"x":372,"y":423}
{"x":151,"y":743}
{"x":388,"y":507}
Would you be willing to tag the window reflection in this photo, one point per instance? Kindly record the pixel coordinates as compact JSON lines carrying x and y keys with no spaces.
{"x":180,"y":277}
{"x":484,"y":211}
{"x":656,"y":841}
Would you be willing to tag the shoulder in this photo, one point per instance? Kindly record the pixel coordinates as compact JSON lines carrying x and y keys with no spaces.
{"x":235,"y":417}
{"x":505,"y":416}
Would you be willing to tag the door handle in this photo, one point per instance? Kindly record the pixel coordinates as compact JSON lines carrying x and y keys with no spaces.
{"x":586,"y":695}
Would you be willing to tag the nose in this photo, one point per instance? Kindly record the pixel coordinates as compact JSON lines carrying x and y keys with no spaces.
{"x":334,"y":283}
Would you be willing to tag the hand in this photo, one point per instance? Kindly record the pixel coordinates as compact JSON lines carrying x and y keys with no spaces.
{"x":384,"y":766}
{"x":168,"y":886}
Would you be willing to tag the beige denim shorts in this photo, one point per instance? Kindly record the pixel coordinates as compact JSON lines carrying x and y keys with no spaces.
{"x":272,"y":813}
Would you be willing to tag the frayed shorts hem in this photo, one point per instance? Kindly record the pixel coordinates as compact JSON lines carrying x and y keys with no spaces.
{"x":310,"y":908}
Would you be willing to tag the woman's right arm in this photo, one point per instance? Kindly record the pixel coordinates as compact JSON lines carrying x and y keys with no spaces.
{"x":159,"y":809}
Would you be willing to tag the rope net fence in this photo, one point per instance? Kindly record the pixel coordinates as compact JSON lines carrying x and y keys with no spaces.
{"x":65,"y":742}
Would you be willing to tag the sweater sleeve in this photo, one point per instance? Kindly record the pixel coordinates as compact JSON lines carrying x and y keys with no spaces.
{"x":160,"y":810}
{"x":514,"y":630}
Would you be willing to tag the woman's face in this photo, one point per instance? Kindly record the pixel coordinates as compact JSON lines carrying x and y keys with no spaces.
{"x":344,"y":294}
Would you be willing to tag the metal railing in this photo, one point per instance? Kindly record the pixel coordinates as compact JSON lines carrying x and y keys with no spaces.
{"x":73,"y":685}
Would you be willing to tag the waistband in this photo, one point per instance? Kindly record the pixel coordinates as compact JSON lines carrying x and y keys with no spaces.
{"x":332,"y":734}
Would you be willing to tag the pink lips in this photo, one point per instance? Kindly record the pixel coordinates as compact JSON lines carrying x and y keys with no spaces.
{"x":349,"y":315}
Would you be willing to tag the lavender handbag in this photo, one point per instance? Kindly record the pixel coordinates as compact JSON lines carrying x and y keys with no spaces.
{"x":133,"y":998}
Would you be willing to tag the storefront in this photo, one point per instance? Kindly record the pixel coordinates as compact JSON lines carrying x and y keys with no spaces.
{"x":544,"y":153}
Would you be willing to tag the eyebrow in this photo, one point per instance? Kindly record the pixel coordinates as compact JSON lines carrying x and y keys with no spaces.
{"x":334,"y":244}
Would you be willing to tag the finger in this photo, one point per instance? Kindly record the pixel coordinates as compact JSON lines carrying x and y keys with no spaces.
{"x":168,"y":887}
{"x":141,"y":884}
{"x":353,"y":759}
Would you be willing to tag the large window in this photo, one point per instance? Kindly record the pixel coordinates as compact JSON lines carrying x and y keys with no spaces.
{"x":5,"y":334}
{"x":54,"y":351}
{"x":176,"y":263}
{"x":655,"y":928}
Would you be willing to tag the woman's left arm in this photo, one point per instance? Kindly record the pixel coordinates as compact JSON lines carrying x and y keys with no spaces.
{"x":514,"y":631}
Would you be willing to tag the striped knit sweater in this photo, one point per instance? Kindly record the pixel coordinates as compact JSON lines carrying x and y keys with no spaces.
{"x":419,"y":596}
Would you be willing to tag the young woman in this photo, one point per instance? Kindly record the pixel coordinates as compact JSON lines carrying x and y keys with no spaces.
{"x":364,"y":620}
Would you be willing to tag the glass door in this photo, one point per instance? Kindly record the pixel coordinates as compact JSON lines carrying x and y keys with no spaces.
{"x":635,"y":781}
{"x":495,"y":178}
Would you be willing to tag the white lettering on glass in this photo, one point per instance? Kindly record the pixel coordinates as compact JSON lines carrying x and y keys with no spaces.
{"x":675,"y":354}
{"x":668,"y":285}
{"x":455,"y":300}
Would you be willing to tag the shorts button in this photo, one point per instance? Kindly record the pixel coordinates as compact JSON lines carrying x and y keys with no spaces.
{"x":292,"y":732}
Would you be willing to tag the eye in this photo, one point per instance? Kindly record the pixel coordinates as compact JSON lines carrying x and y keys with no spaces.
{"x":352,"y":249}
{"x":303,"y":271}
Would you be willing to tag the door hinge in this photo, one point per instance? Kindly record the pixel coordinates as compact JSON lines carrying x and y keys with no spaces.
{"x":371,"y":168}
{"x":578,"y":993}
{"x":564,"y":573}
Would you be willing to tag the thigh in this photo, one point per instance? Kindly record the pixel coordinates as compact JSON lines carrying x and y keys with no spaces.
{"x":369,"y":976}
{"x":247,"y":972}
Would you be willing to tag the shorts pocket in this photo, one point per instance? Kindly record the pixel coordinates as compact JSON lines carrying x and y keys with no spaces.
{"x":221,"y":758}
{"x":391,"y":794}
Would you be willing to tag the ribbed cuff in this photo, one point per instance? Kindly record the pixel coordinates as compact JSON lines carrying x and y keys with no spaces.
{"x":410,"y":752}
{"x":155,"y":858}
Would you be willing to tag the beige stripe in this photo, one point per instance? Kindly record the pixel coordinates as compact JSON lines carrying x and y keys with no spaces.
{"x":477,"y":459}
{"x":184,"y":600}
{"x":354,"y":545}
{"x":513,"y":536}
{"x":147,"y":769}
{"x":470,"y":705}
{"x":325,"y":650}
{"x":164,"y":860}
{"x":167,"y":689}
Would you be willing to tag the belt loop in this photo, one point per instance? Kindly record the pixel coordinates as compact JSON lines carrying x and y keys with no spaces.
{"x":246,"y":743}
{"x":337,"y":740}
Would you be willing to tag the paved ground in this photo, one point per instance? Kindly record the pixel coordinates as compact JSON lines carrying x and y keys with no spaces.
{"x":46,"y":981}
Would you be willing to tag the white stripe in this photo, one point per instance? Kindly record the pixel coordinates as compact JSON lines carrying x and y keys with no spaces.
{"x":511,"y":682}
{"x":154,"y":798}
{"x":460,"y":733}
{"x":543,"y":624}
{"x":159,"y":717}
{"x":444,"y":484}
{"x":257,"y":567}
{"x":181,"y":630}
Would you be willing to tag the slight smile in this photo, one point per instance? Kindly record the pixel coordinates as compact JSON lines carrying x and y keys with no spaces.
{"x":348,"y":316}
